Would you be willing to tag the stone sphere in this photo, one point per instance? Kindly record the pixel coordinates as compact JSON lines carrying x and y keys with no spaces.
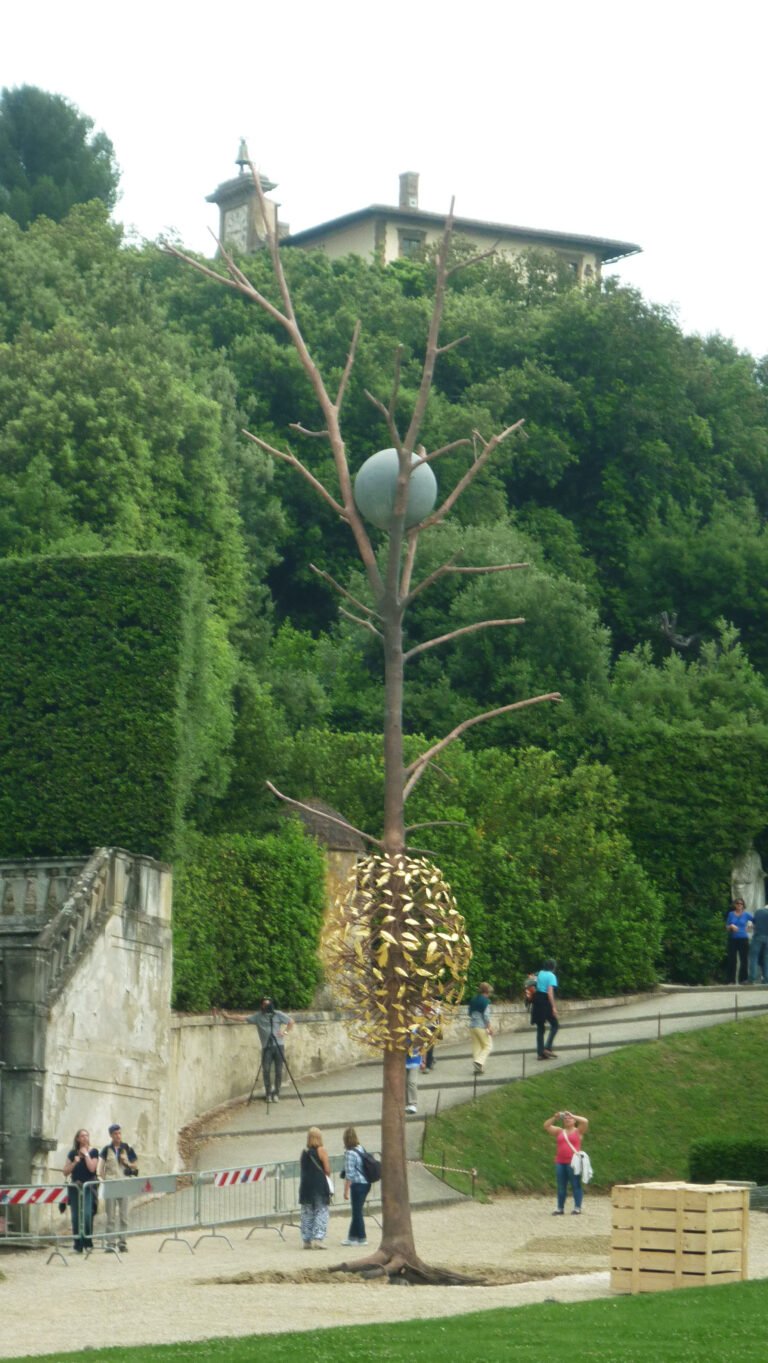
{"x":376,"y":484}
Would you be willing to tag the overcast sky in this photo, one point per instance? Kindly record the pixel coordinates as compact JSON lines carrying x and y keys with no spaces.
{"x":642,"y":122}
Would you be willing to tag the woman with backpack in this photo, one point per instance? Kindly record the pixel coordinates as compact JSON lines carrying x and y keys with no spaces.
{"x":356,"y":1186}
{"x":544,"y":1010}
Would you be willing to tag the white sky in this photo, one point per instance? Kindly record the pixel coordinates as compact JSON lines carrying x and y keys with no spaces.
{"x":643,"y":122}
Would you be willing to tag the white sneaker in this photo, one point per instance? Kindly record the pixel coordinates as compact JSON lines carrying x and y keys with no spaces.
{"x":275,"y":1097}
{"x":411,"y":1108}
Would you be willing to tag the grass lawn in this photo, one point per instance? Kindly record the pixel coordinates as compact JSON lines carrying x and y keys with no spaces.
{"x":699,"y":1325}
{"x":645,"y":1104}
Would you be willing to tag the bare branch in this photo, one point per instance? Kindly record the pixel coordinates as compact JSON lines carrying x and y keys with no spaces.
{"x":395,"y":384}
{"x":302,"y":430}
{"x":343,"y":591}
{"x":394,"y":434}
{"x":410,"y":559}
{"x":348,"y":367}
{"x":451,"y":345}
{"x":451,"y":567}
{"x":416,"y":769}
{"x":444,"y":449}
{"x":274,"y":249}
{"x":295,"y":463}
{"x":430,"y":354}
{"x":438,"y":823}
{"x":240,"y":283}
{"x":343,"y":823}
{"x":455,"y":634}
{"x":463,"y":483}
{"x":473,"y":260}
{"x":366,"y":624}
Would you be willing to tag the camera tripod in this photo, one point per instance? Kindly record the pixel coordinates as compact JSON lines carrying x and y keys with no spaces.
{"x":272,"y":1053}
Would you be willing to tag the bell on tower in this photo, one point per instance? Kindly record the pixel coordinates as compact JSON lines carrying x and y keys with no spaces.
{"x":242,"y":159}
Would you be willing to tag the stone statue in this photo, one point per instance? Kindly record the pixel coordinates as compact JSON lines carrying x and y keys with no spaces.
{"x":748,"y":880}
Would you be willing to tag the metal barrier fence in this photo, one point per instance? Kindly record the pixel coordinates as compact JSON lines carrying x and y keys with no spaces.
{"x":200,"y":1203}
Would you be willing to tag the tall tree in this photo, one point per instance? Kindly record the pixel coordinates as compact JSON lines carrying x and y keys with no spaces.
{"x":50,"y":158}
{"x":399,"y":934}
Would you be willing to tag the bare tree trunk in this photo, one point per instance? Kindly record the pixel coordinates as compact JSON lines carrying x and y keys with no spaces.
{"x":394,"y":776}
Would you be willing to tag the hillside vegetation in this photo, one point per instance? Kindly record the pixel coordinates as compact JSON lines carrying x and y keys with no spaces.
{"x":646,"y":1104}
{"x":638,"y":497}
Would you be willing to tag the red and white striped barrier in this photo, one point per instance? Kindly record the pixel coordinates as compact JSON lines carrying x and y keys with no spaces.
{"x":14,"y":1197}
{"x":225,"y":1178}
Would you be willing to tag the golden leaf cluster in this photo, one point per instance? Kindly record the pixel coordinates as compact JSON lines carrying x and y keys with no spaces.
{"x":395,"y":949}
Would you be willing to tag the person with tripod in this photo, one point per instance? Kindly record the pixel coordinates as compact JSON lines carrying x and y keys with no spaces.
{"x":272,"y":1026}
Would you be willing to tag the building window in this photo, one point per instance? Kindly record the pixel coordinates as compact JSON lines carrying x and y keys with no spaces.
{"x":411,"y":244}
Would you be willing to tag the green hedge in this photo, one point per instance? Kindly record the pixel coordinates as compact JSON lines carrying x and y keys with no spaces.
{"x":695,"y":798}
{"x":744,"y":1161}
{"x":101,"y":740}
{"x":246,"y":920}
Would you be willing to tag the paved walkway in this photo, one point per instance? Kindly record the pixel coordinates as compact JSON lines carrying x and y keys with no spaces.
{"x":261,"y":1133}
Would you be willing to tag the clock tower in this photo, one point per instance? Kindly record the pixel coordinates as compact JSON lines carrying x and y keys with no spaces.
{"x":241,"y":221}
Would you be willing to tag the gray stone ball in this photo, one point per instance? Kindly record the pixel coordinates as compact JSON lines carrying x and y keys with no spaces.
{"x":376,"y":484}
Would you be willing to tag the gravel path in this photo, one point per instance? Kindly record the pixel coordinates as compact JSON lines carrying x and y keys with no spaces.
{"x":166,"y":1297}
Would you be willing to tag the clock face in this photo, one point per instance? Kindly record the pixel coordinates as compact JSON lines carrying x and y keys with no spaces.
{"x":236,"y":227}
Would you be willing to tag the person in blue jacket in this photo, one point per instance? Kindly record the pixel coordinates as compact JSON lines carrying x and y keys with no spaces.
{"x":737,"y":926}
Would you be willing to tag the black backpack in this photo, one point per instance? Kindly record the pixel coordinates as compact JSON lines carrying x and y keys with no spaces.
{"x":371,"y":1167}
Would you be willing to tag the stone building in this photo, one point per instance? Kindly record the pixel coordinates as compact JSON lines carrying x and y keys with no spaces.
{"x":387,"y":233}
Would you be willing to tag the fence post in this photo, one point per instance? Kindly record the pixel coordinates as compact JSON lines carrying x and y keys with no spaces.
{"x":589,"y":1047}
{"x":658,"y":1028}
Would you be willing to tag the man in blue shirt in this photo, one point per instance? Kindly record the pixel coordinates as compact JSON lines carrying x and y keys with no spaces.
{"x":758,"y":947}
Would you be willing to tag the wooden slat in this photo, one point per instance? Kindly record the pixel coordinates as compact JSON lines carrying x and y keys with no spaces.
{"x":622,"y":1280}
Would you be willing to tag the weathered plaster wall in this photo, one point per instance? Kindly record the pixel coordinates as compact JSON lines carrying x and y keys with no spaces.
{"x":107,"y":1049}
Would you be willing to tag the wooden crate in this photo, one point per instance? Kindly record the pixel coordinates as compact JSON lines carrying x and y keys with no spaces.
{"x":667,"y":1235}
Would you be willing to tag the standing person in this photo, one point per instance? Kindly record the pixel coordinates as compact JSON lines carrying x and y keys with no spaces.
{"x":758,"y":947}
{"x":412,"y":1069}
{"x":568,"y":1137}
{"x":356,"y":1187}
{"x":80,"y":1167}
{"x":544,"y":1010}
{"x":736,"y":925}
{"x":480,"y":1026}
{"x":432,"y":1012}
{"x":314,"y":1190}
{"x":272,"y":1026}
{"x":117,"y":1160}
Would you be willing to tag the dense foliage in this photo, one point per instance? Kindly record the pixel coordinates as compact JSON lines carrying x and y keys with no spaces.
{"x":50,"y":159}
{"x":111,"y":708}
{"x":638,"y":497}
{"x":246,"y":920}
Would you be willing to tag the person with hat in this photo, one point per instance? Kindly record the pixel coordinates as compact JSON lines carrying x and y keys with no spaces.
{"x":117,"y":1160}
{"x":480,"y":1026}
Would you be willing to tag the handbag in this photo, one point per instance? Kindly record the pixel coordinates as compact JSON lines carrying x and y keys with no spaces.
{"x":328,"y":1177}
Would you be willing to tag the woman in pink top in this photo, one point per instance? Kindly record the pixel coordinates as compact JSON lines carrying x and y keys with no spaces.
{"x":568,"y":1137}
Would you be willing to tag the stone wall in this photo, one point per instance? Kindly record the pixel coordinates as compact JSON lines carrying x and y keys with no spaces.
{"x":107,"y":1039}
